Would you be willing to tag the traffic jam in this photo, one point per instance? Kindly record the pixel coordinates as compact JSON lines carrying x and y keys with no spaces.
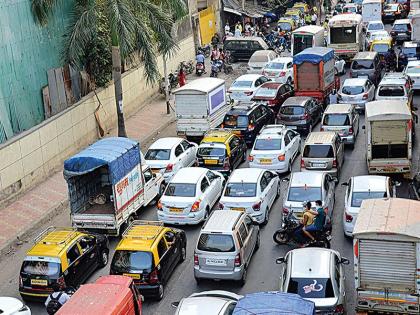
{"x":292,"y":190}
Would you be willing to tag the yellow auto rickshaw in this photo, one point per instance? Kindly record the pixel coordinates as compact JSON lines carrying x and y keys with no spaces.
{"x":381,"y":46}
{"x":302,"y":7}
{"x":295,"y":15}
{"x":286,"y":24}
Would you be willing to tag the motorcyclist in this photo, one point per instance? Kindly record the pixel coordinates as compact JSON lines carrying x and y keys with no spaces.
{"x":215,"y":40}
{"x":214,"y":54}
{"x":390,"y":59}
{"x":201,"y":59}
{"x":307,"y":218}
{"x":319,"y":220}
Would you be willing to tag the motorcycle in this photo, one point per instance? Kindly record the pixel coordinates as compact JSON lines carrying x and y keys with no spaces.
{"x":199,"y":68}
{"x":206,"y":50}
{"x":187,"y":66}
{"x":216,"y":67}
{"x":172,"y":80}
{"x":287,"y":234}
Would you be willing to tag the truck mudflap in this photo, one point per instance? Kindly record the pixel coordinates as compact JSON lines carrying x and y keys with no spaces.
{"x":386,"y":301}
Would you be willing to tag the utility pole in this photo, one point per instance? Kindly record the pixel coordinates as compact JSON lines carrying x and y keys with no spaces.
{"x":165,"y":74}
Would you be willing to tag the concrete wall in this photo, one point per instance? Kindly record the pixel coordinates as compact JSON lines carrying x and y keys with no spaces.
{"x":33,"y":155}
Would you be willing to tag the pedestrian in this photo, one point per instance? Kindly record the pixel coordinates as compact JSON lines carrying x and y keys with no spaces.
{"x":314,"y":17}
{"x":56,"y":299}
{"x":308,"y":19}
{"x":227,"y":29}
{"x":239,"y":26}
{"x":182,"y":79}
{"x":333,"y":97}
{"x":238,"y":32}
{"x":214,"y":54}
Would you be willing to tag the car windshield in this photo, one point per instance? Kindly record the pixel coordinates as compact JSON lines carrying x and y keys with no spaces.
{"x":304,"y":193}
{"x":292,"y":110}
{"x":358,"y":197}
{"x":157,"y":154}
{"x":128,"y":261}
{"x":275,"y":66}
{"x":396,"y":91}
{"x":211,"y":151}
{"x":242,"y":84}
{"x":180,"y":190}
{"x":267,"y":144}
{"x":221,"y":243}
{"x":352,"y":89}
{"x":380,"y":48}
{"x":318,"y":151}
{"x":241,"y":190}
{"x":235,"y":121}
{"x":336,"y":120}
{"x":375,"y":26}
{"x":362,"y":64}
{"x":411,"y":51}
{"x":311,"y":288}
{"x":413,"y":70}
{"x":266,"y":92}
{"x":400,"y":27}
{"x":41,"y":268}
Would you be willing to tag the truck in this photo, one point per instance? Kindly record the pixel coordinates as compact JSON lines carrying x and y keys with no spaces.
{"x":107,"y":185}
{"x":306,"y":37}
{"x":389,"y":133}
{"x":314,"y":73}
{"x":109,"y":295}
{"x":386,"y":246}
{"x":345,"y":35}
{"x":371,"y":11}
{"x":415,"y":27}
{"x":201,"y":105}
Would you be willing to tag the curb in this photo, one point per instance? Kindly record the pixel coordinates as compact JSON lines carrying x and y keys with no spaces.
{"x":155,"y":132}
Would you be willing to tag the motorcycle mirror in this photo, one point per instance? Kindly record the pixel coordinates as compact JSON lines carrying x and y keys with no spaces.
{"x":344,"y":261}
{"x":174,"y":304}
{"x":280,"y":260}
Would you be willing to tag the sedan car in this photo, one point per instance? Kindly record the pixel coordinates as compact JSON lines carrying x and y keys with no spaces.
{"x":280,"y":70}
{"x":395,"y":86}
{"x":273,"y":94}
{"x":244,"y":87}
{"x":214,"y":302}
{"x":12,"y":306}
{"x":259,"y":60}
{"x":190,"y":195}
{"x":360,"y":188}
{"x":357,"y":91}
{"x":168,"y":155}
{"x":252,"y":190}
{"x":275,"y":149}
{"x":316,"y":274}
{"x":413,"y":71}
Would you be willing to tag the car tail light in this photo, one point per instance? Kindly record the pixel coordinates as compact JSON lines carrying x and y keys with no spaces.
{"x":169,"y":167}
{"x":221,"y":205}
{"x":248,"y":93}
{"x":326,"y":210}
{"x":256,"y":206}
{"x":285,"y":211}
{"x":334,"y":163}
{"x":251,"y":127}
{"x":159,"y":205}
{"x":339,"y":309}
{"x":20,"y":281}
{"x":351,"y":130}
{"x":302,"y":163}
{"x":196,"y":260}
{"x":281,"y":157}
{"x":196,"y":206}
{"x":365,"y":96}
{"x":226,"y":164}
{"x":356,"y":249}
{"x":153,"y":277}
{"x":282,"y":73}
{"x":251,"y":158}
{"x":349,"y":218}
{"x":61,"y":282}
{"x":238,"y":261}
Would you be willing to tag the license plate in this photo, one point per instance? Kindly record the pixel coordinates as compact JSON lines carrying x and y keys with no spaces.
{"x":176,"y":209}
{"x":265,"y":161}
{"x":238,"y":209}
{"x":215,"y":262}
{"x":390,"y":169}
{"x":133,"y":275}
{"x":318,"y":164}
{"x":39,"y":282}
{"x":213,"y":162}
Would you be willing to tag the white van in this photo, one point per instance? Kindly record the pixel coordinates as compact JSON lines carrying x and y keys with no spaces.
{"x":371,"y":11}
{"x":307,"y":37}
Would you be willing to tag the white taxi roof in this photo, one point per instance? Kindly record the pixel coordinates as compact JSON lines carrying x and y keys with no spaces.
{"x":311,"y":262}
{"x":189,"y":175}
{"x":369,"y":183}
{"x":165,"y":143}
{"x":246,"y":175}
{"x":310,"y":179}
{"x":355,"y":81}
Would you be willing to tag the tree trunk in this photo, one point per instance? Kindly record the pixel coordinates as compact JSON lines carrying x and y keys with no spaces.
{"x":165,"y":75}
{"x":116,"y":75}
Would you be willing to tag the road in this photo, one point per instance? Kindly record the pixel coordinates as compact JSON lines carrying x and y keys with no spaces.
{"x":263,"y":273}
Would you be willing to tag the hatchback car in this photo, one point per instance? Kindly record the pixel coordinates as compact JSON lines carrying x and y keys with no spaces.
{"x":360,"y":188}
{"x":244,"y":87}
{"x":273,"y":94}
{"x":300,"y":113}
{"x":259,"y":60}
{"x":251,"y":190}
{"x":412,"y":70}
{"x":374,"y":26}
{"x":395,"y":86}
{"x":316,"y":274}
{"x":392,"y":12}
{"x":401,"y":30}
{"x":367,"y":64}
{"x":311,"y":187}
{"x":246,"y":120}
{"x":190,"y":196}
{"x":12,"y":306}
{"x":225,"y":246}
{"x":168,"y":155}
{"x":275,"y":148}
{"x":410,"y":51}
{"x":280,"y":70}
{"x":357,"y":91}
{"x":242,"y":48}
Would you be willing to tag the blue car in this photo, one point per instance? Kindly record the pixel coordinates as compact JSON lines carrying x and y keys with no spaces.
{"x":409,"y":51}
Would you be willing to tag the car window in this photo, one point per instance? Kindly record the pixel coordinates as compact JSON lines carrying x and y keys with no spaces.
{"x":258,"y":113}
{"x":396,"y":90}
{"x":186,"y":144}
{"x":263,"y":183}
{"x":211,"y":176}
{"x":204,"y":184}
{"x":147,"y":175}
{"x":240,"y":189}
{"x":180,"y":190}
{"x":230,"y":308}
{"x":336,"y":120}
{"x":157,"y":154}
{"x":238,"y":237}
{"x":86,"y":243}
{"x":286,"y":140}
{"x":162,"y":248}
{"x":290,"y":65}
{"x":258,"y":82}
{"x":222,"y":243}
{"x":73,"y":253}
{"x":178,"y":150}
{"x":243,"y":232}
{"x":311,"y":288}
{"x":318,"y":151}
{"x":263,"y":79}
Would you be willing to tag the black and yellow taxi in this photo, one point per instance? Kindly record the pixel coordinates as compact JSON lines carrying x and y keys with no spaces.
{"x":62,"y":255}
{"x":149,"y":252}
{"x":221,"y":150}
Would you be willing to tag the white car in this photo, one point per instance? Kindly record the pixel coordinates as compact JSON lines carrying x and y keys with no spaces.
{"x":394,"y":86}
{"x":259,"y":60}
{"x":374,"y":26}
{"x":350,"y":8}
{"x":252,"y":190}
{"x":360,"y":188}
{"x":12,"y":306}
{"x":280,"y":70}
{"x":243,"y":88}
{"x":168,"y":155}
{"x":357,"y":91}
{"x":340,"y":65}
{"x":208,"y":302}
{"x":413,"y":71}
{"x":190,"y":196}
{"x":275,"y":148}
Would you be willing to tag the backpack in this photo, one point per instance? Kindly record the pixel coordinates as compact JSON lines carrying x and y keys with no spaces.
{"x":54,"y":304}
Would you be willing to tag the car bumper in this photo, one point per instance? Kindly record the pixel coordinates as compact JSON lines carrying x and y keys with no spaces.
{"x":34,"y":296}
{"x":190,"y":218}
{"x":294,"y":126}
{"x":148,"y":290}
{"x":348,"y":139}
{"x":235,"y":274}
{"x":279,"y":168}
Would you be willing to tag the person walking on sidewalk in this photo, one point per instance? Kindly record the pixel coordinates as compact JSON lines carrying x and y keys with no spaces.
{"x":182,"y":79}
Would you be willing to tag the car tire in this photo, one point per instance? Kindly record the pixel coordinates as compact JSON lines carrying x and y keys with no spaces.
{"x":243,"y":278}
{"x":257,"y":243}
{"x":161,"y":292}
{"x":266,"y":217}
{"x":183,"y":254}
{"x":103,"y":258}
{"x":197,"y":280}
{"x":244,"y":157}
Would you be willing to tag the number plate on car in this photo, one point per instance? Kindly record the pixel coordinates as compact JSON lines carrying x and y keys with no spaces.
{"x":133,"y":275}
{"x":213,"y":162}
{"x":176,"y":209}
{"x":265,"y":161}
{"x":215,"y":262}
{"x":238,"y":209}
{"x":318,"y":164}
{"x":39,"y":282}
{"x":390,"y":169}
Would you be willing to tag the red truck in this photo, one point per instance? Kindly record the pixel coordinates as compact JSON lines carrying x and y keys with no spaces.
{"x":109,"y":295}
{"x":314,"y":73}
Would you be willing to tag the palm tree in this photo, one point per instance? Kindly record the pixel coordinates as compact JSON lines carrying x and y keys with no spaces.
{"x":136,"y":28}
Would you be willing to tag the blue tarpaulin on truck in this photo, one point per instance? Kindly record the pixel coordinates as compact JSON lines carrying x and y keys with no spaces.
{"x":274,"y":303}
{"x":314,"y":55}
{"x":120,"y":155}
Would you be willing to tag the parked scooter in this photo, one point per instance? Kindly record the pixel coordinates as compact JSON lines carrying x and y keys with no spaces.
{"x":216,"y":67}
{"x":172,"y":80}
{"x":199,"y":68}
{"x":205,"y":49}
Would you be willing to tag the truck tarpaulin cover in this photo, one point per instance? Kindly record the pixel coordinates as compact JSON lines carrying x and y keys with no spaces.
{"x":121,"y":155}
{"x":274,"y":303}
{"x":314,"y":55}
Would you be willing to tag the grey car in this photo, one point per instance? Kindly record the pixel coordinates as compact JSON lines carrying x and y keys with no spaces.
{"x":367,"y":64}
{"x":357,"y":91}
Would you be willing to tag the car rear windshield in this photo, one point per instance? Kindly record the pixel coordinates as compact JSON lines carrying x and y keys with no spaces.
{"x":211,"y":151}
{"x":267,"y":144}
{"x":304,"y":193}
{"x":391,"y":91}
{"x":352,"y":90}
{"x":235,"y":121}
{"x":242,"y":84}
{"x":258,"y":58}
{"x":266,"y":92}
{"x":358,"y":197}
{"x":41,"y":268}
{"x":362,"y":64}
{"x":400,"y":27}
{"x":241,"y":190}
{"x":375,"y":26}
{"x":311,"y":288}
{"x":220,"y":243}
{"x":157,"y":154}
{"x":380,"y":48}
{"x":336,"y":120}
{"x":318,"y":151}
{"x":292,"y":110}
{"x":180,"y":190}
{"x":410,"y":51}
{"x":413,"y":70}
{"x":128,"y":261}
{"x":275,"y":65}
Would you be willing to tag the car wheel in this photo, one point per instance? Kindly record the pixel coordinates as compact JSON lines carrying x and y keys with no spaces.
{"x":243,"y":279}
{"x":183,"y":253}
{"x":103,"y":258}
{"x":197,"y":280}
{"x":161,"y":292}
{"x":266,"y":217}
{"x":257,"y":243}
{"x":244,"y":157}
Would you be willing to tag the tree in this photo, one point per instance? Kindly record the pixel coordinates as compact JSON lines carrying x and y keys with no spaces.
{"x":132,"y":28}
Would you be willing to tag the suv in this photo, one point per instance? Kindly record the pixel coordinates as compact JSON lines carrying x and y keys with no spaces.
{"x":61,"y":255}
{"x":225,"y":246}
{"x":246,"y":120}
{"x":242,"y":48}
{"x":221,"y":150}
{"x":300,"y":113}
{"x":401,"y":30}
{"x":409,"y":51}
{"x":343,"y":119}
{"x":323,"y":151}
{"x":149,"y":252}
{"x":395,"y":86}
{"x":368,"y":64}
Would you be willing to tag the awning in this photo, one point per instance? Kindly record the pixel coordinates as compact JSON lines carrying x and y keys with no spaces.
{"x":249,"y":9}
{"x":230,"y":10}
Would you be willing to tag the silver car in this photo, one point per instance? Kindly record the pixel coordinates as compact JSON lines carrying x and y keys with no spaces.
{"x":316,"y":274}
{"x":357,"y":91}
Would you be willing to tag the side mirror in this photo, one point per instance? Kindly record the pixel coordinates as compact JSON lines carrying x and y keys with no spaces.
{"x":280,"y":260}
{"x":344,"y":184}
{"x":175,"y":304}
{"x":344,"y":261}
{"x":363,"y":127}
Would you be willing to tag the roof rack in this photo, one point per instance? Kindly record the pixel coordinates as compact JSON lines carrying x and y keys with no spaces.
{"x":56,"y":239}
{"x":130,"y":233}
